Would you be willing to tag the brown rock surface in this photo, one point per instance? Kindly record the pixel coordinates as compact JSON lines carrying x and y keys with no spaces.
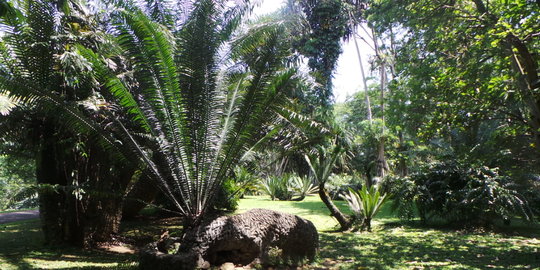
{"x":240,"y":239}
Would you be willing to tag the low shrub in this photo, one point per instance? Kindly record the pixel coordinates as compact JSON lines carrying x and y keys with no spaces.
{"x":460,"y":194}
{"x":365,"y":204}
{"x":288,"y":187}
{"x":227,"y":197}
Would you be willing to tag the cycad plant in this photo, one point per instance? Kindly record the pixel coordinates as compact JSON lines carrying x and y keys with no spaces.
{"x":277,"y":187}
{"x":6,"y":105}
{"x":41,"y":68}
{"x":201,"y":116}
{"x":288,"y":187}
{"x":192,"y":100}
{"x":302,"y":187}
{"x":365,"y":203}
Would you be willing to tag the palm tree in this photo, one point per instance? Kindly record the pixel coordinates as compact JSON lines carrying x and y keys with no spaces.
{"x":321,"y":165}
{"x":185,"y":117}
{"x":39,"y":61}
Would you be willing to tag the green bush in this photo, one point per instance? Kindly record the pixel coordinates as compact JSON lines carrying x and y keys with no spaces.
{"x":288,"y":187}
{"x":339,"y":184}
{"x":277,"y":187}
{"x":460,"y":194}
{"x":245,"y":181}
{"x":227,"y":197}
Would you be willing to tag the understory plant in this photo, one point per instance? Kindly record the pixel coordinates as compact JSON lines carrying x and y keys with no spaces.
{"x":365,"y":204}
{"x":245,"y":182}
{"x":459,"y":194}
{"x":288,"y":187}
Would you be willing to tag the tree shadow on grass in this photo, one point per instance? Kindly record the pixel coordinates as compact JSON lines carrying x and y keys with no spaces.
{"x":22,"y":248}
{"x":435,"y":249}
{"x":63,"y":258}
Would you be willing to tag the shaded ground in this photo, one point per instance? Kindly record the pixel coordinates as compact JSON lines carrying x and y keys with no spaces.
{"x":18,"y":216}
{"x":390,"y":246}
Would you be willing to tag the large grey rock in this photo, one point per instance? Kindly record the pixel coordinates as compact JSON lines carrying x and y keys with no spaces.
{"x":241,"y":239}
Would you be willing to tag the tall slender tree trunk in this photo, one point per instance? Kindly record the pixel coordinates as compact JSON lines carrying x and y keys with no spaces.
{"x":382,"y":165}
{"x":403,"y":169}
{"x":364,"y":80}
{"x":344,"y":222}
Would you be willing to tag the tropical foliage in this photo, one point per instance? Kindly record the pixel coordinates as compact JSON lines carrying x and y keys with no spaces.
{"x":185,"y":118}
{"x":134,"y":101}
{"x":17,"y":180}
{"x":460,"y":194}
{"x":365,"y":204}
{"x":321,"y":165}
{"x":288,"y":187}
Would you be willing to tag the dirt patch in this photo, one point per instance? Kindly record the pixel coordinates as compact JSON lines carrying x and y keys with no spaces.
{"x":119,"y":248}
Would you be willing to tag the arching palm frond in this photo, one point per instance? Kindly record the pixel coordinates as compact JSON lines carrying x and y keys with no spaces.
{"x":6,"y":104}
{"x":186,"y":119}
{"x":203,"y":120}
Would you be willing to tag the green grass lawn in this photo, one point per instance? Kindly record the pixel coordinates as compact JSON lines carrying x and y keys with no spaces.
{"x":16,"y":210}
{"x":390,"y":246}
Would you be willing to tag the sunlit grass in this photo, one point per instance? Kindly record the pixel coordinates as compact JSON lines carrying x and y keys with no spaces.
{"x":310,"y":208}
{"x":391,"y":245}
{"x":16,"y":210}
{"x":395,"y":246}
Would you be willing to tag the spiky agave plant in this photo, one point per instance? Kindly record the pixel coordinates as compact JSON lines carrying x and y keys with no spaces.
{"x":365,"y":203}
{"x":190,"y":119}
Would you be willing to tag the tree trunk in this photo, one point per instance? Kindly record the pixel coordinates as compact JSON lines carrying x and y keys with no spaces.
{"x":50,"y":200}
{"x":382,"y":165}
{"x":528,"y":81}
{"x":143,"y":192}
{"x":103,"y":211}
{"x":403,"y":169}
{"x":364,"y":80}
{"x":343,"y":220}
{"x":83,"y":199}
{"x":366,"y":224}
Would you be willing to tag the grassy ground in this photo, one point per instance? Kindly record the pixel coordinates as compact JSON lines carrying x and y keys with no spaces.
{"x":390,"y":246}
{"x":16,"y":210}
{"x":395,"y":246}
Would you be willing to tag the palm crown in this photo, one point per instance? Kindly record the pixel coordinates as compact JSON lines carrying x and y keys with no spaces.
{"x":193,"y":106}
